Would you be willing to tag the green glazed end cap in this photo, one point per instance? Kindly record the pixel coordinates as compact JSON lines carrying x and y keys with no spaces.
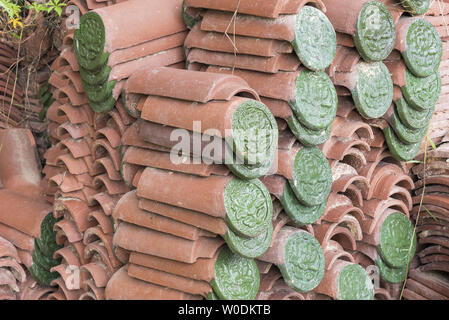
{"x":300,"y":214}
{"x":416,"y":7}
{"x":373,"y":93}
{"x":303,"y":268}
{"x":376,"y":35}
{"x":248,"y":205}
{"x":397,"y":240}
{"x":413,"y":118}
{"x":354,"y":284}
{"x":312,"y":177}
{"x":405,"y":134}
{"x":89,"y":41}
{"x":400,"y":150}
{"x":306,"y":136}
{"x":391,"y":275}
{"x":422,"y":93}
{"x":236,"y":277}
{"x":316,"y":100}
{"x":423,"y":48}
{"x":254,"y":133}
{"x":315,"y":41}
{"x":249,"y":247}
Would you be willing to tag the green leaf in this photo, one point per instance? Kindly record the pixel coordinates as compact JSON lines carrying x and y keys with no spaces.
{"x":58,"y":11}
{"x":432,"y":144}
{"x":413,"y":161}
{"x":430,"y":214}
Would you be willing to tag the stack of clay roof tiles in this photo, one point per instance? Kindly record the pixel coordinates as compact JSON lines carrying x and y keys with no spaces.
{"x":175,"y":225}
{"x":26,"y":220}
{"x":82,"y":171}
{"x":11,"y":94}
{"x":429,"y":276}
{"x":325,"y":202}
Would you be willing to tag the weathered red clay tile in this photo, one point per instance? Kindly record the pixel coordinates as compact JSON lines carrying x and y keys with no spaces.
{"x":69,"y":229}
{"x":424,"y":291}
{"x":74,"y":131}
{"x":112,"y":187}
{"x":268,"y":9}
{"x":245,"y":45}
{"x":96,"y":251}
{"x":281,"y":62}
{"x":168,"y":280}
{"x":68,"y":255}
{"x":127,"y":210}
{"x":200,"y":86}
{"x":103,"y":221}
{"x":77,"y":147}
{"x":346,"y":232}
{"x":105,"y":164}
{"x":131,"y":138}
{"x":139,"y":239}
{"x":111,"y":135}
{"x":339,"y":205}
{"x":66,"y":293}
{"x":78,"y":211}
{"x":92,"y":292}
{"x":53,"y":113}
{"x":97,"y":272}
{"x":74,"y":166}
{"x":106,"y":201}
{"x":94,"y":233}
{"x":195,"y":218}
{"x":123,"y":287}
{"x":66,"y":58}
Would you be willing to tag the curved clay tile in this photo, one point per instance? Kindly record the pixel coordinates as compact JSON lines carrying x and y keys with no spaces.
{"x":8,"y":278}
{"x":268,"y":279}
{"x":75,"y":115}
{"x":102,"y":148}
{"x":57,"y":295}
{"x":435,"y":266}
{"x":69,"y":95}
{"x":131,"y":138}
{"x":77,"y":147}
{"x":111,"y":135}
{"x":375,"y":207}
{"x":344,"y":175}
{"x":54,"y":115}
{"x":65,"y":273}
{"x":68,"y":255}
{"x":338,"y":206}
{"x":28,"y":213}
{"x":424,"y":291}
{"x":139,"y":239}
{"x":66,"y":182}
{"x":7,"y":249}
{"x":121,"y":254}
{"x":123,"y":287}
{"x":187,"y":85}
{"x":14,"y":267}
{"x":333,"y":252}
{"x":69,"y":229}
{"x":355,"y":194}
{"x":66,"y":58}
{"x":347,"y":127}
{"x":103,"y":221}
{"x":115,"y":122}
{"x":92,"y":291}
{"x":97,"y":272}
{"x":337,"y":148}
{"x":96,"y":251}
{"x":94,"y":233}
{"x":105,"y":164}
{"x":112,"y":187}
{"x":326,"y":232}
{"x":61,"y":238}
{"x":195,"y":218}
{"x":169,"y":280}
{"x":68,"y":129}
{"x":77,"y":210}
{"x":382,"y":294}
{"x":106,"y":202}
{"x":31,"y":290}
{"x":66,"y":293}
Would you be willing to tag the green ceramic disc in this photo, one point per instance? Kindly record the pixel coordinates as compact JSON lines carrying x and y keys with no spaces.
{"x":413,"y":118}
{"x":95,"y":77}
{"x":44,"y":277}
{"x":307,"y":136}
{"x":407,"y":135}
{"x":300,"y":214}
{"x":354,"y":284}
{"x":416,"y":7}
{"x":104,"y":106}
{"x":249,"y":247}
{"x":316,"y":100}
{"x":47,"y":242}
{"x":315,"y":40}
{"x":391,"y":275}
{"x":400,"y":150}
{"x":303,"y":268}
{"x":376,"y":35}
{"x":254,"y":132}
{"x":422,"y":93}
{"x":249,"y":209}
{"x":211,"y":296}
{"x":89,"y":42}
{"x":373,"y":92}
{"x":236,"y":278}
{"x":397,"y":238}
{"x":312,"y":176}
{"x":99,"y":93}
{"x":43,"y":260}
{"x":423,"y":48}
